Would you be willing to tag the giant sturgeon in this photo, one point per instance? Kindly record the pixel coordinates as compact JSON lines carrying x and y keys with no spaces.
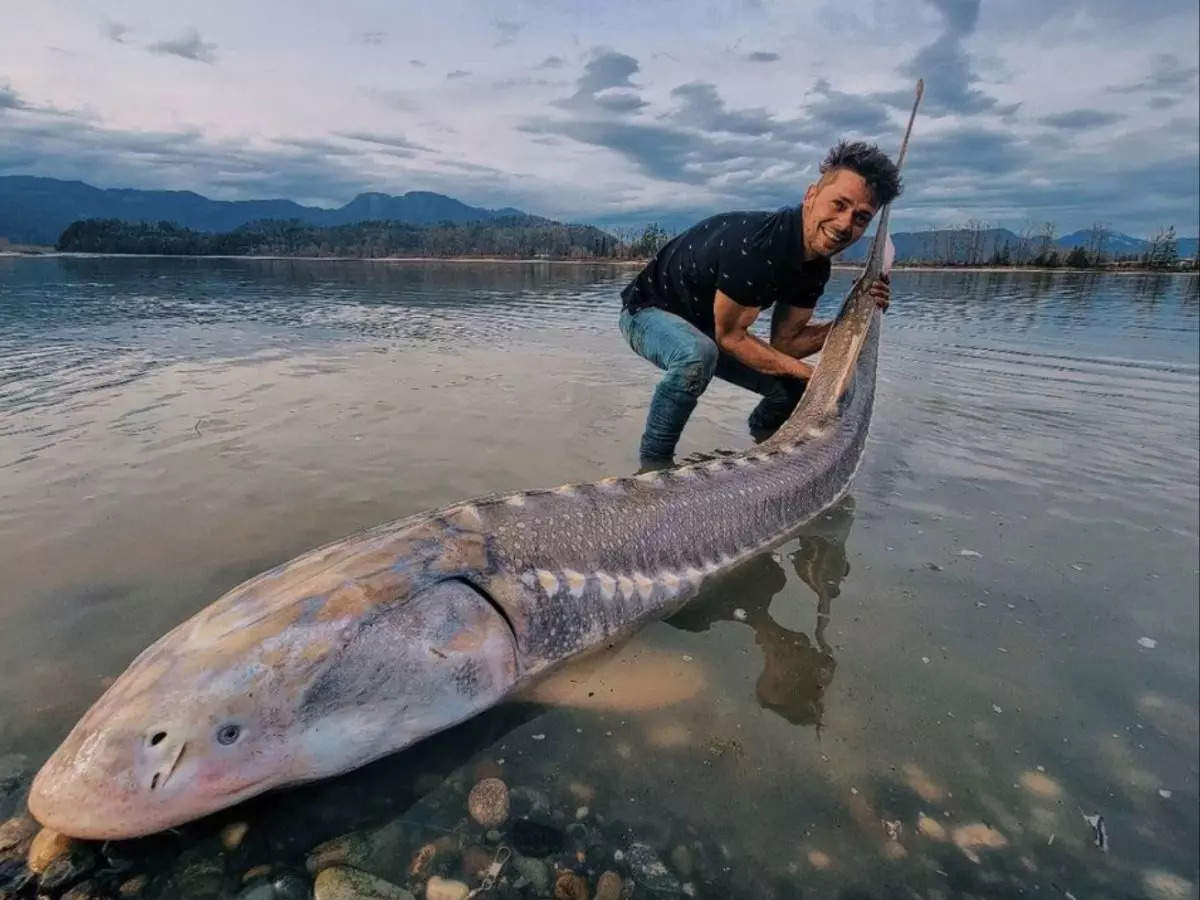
{"x":362,"y":647}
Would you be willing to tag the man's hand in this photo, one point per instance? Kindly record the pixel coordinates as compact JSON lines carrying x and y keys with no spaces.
{"x":882,"y":292}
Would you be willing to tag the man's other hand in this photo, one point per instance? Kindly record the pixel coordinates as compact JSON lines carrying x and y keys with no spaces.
{"x":882,"y":292}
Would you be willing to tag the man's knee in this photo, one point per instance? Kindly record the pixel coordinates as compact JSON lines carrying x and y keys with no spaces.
{"x":695,"y":368}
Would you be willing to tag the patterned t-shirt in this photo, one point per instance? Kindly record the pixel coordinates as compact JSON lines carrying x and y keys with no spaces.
{"x":754,"y":258}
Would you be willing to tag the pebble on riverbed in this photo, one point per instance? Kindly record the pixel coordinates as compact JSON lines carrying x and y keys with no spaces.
{"x":488,"y":802}
{"x":445,"y":889}
{"x":47,"y":846}
{"x":344,"y":883}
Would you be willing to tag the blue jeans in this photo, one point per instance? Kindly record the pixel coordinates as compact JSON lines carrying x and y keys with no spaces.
{"x":690,"y":359}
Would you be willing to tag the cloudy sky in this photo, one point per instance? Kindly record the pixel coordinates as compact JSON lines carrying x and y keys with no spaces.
{"x":619,"y":112}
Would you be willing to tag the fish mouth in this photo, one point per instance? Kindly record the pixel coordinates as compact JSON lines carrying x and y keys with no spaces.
{"x":244,"y":786}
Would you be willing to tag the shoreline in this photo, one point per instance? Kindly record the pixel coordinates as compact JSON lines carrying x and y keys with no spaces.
{"x":578,"y":261}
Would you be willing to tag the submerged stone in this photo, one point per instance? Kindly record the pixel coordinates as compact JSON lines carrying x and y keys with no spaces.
{"x":650,"y":872}
{"x":344,"y":883}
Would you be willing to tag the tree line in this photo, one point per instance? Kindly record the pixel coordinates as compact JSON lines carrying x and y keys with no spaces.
{"x":978,"y":244}
{"x":520,"y":237}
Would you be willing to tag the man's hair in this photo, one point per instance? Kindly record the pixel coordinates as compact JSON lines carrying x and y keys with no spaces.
{"x":879,"y":172}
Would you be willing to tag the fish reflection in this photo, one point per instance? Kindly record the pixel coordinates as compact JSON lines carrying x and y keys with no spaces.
{"x":796,"y":668}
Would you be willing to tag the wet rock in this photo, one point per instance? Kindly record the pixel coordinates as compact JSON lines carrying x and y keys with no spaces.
{"x":649,"y":872}
{"x":16,"y":835}
{"x":233,"y":834}
{"x":15,"y":877}
{"x":488,"y":802}
{"x":14,"y":777}
{"x":581,"y":791}
{"x":445,"y":889}
{"x":475,"y":861}
{"x":570,"y":886}
{"x":198,"y":877}
{"x":283,"y":886}
{"x":421,"y":864}
{"x":344,"y":883}
{"x":534,"y":838}
{"x":258,"y":873}
{"x":134,"y":888}
{"x":382,"y":852}
{"x":609,"y":886}
{"x":85,"y":890}
{"x":598,"y":856}
{"x":77,"y":861}
{"x":47,"y":846}
{"x":264,"y":890}
{"x":681,"y":859}
{"x":525,"y":802}
{"x":534,"y":871}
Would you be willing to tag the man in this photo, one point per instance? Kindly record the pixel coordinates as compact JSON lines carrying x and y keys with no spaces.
{"x":690,"y":309}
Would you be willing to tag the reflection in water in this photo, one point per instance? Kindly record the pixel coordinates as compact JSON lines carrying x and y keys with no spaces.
{"x":795,"y":671}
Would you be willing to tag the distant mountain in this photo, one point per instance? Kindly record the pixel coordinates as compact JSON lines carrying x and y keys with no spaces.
{"x":961,"y":245}
{"x":36,"y":210}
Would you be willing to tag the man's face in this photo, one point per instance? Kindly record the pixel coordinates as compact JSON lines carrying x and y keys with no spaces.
{"x":837,"y":210}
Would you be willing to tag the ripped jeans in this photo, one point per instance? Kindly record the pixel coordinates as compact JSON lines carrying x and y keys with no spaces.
{"x":690,"y":359}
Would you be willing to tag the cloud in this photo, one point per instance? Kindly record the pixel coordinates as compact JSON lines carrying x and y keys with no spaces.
{"x":840,"y":112}
{"x":64,"y":146}
{"x":1163,"y":102}
{"x":659,"y":151}
{"x":114,"y":31}
{"x":605,"y":85}
{"x":394,"y":99}
{"x":508,"y":32}
{"x":9,"y":99}
{"x":373,"y":38}
{"x":315,"y":146}
{"x":946,"y":68}
{"x":1079,"y":119}
{"x":1167,"y":75}
{"x":391,"y":141}
{"x":551,"y":62}
{"x":702,"y":107}
{"x":189,"y":46}
{"x":456,"y":74}
{"x":762,"y":57}
{"x":416,"y":62}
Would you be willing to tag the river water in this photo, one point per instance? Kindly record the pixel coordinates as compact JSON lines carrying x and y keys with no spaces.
{"x":994,"y":635}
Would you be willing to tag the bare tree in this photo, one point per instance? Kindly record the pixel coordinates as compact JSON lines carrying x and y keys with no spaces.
{"x":974,"y":251}
{"x":1163,"y":252}
{"x":1045,"y":240}
{"x":1098,"y":242}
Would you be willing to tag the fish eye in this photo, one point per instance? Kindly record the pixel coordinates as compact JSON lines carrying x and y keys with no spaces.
{"x":227,"y":734}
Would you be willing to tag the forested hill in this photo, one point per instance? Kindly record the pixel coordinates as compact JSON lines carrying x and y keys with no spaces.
{"x":35,"y":210}
{"x":511,"y":236}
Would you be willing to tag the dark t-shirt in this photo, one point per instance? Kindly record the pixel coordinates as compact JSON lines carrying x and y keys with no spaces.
{"x":755,"y":258}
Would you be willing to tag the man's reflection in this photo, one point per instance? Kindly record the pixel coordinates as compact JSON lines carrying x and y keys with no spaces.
{"x":795,"y":672}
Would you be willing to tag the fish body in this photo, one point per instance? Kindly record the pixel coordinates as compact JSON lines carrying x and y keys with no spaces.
{"x":364,"y":646}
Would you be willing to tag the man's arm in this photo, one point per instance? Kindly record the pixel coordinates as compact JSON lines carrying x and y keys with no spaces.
{"x":792,"y":334}
{"x":733,"y":322}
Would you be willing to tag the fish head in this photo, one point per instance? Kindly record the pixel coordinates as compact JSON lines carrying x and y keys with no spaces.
{"x":181,"y":733}
{"x":211,"y":715}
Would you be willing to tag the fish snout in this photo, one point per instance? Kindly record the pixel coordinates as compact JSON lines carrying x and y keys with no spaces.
{"x":161,"y":755}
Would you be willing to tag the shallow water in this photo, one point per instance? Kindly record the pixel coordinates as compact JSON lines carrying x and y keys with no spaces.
{"x":955,"y":645}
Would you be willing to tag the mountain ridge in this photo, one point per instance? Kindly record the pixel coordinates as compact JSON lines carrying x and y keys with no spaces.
{"x":36,"y":210}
